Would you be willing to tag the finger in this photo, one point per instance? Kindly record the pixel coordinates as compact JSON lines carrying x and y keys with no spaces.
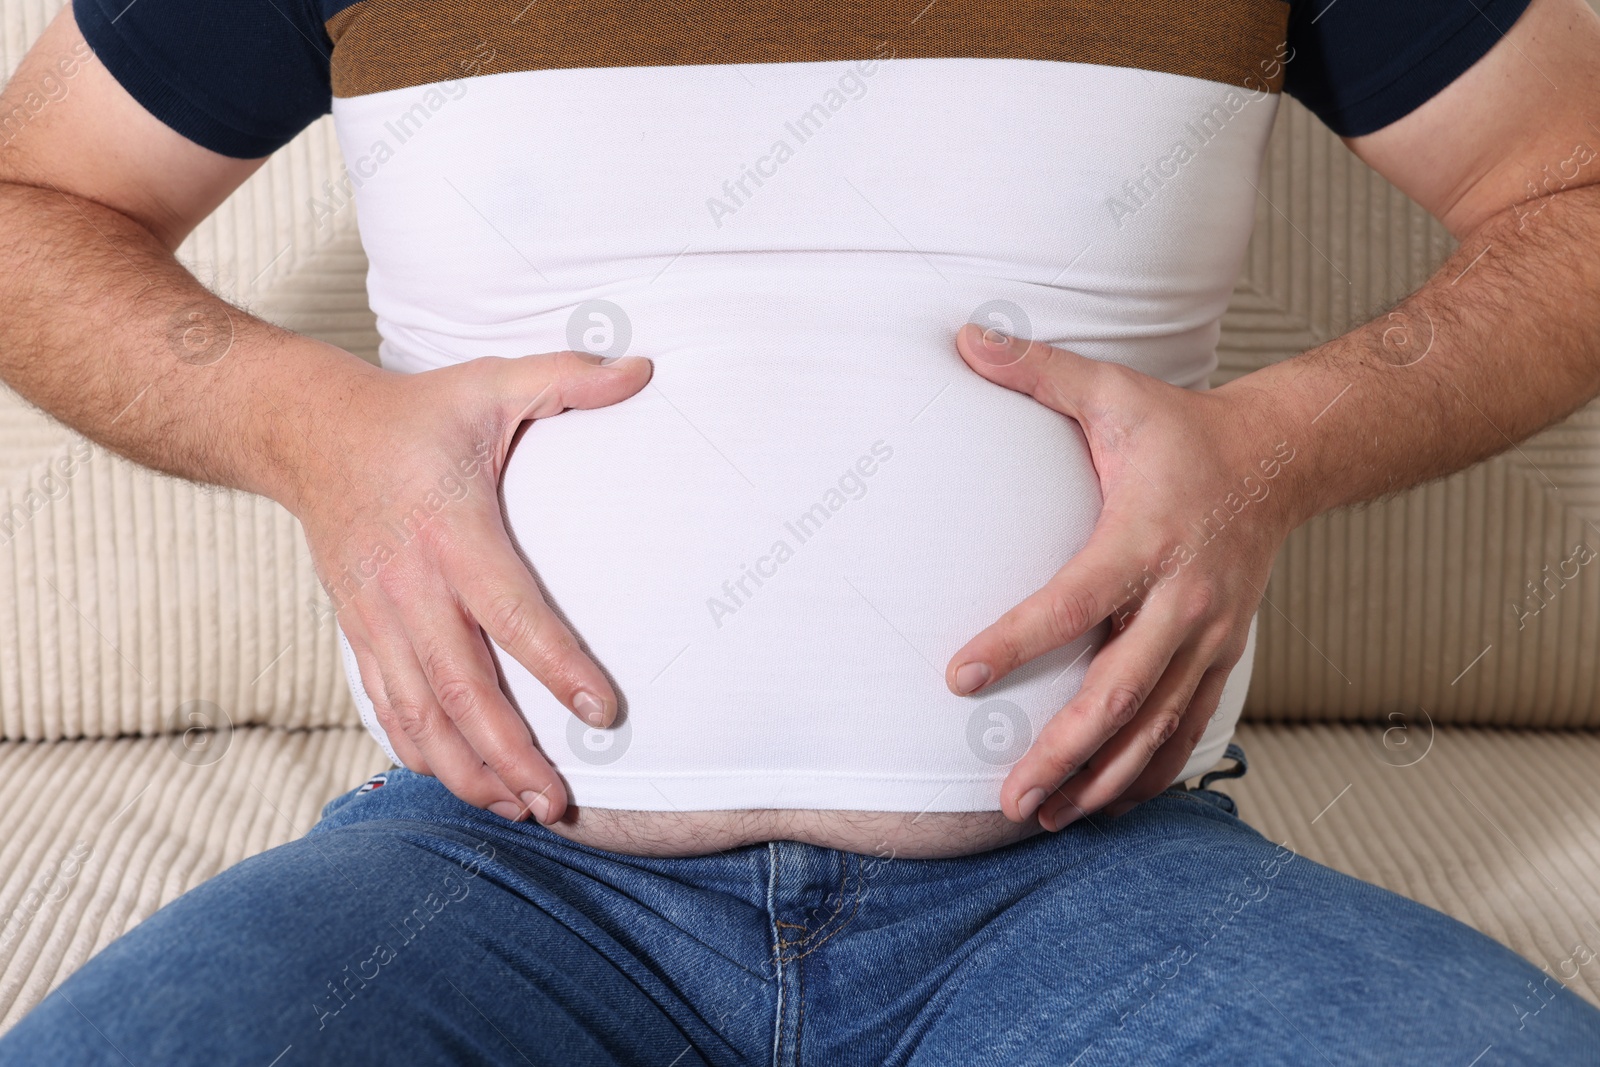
{"x":1122,"y":676}
{"x":1059,"y":379}
{"x":419,"y":717}
{"x":536,"y":387}
{"x":1163,"y":771}
{"x":461,"y":675}
{"x":499,"y":592}
{"x":1123,"y":758}
{"x":1087,"y":589}
{"x":372,"y":683}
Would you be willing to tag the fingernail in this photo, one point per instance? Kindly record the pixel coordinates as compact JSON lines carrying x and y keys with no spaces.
{"x":970,"y":676}
{"x":1030,"y":802}
{"x":589,"y":707}
{"x":539,"y":804}
{"x":506,"y":810}
{"x":993,"y":338}
{"x":591,"y":358}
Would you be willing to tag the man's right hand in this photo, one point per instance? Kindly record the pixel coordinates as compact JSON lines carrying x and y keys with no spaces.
{"x":401,"y":510}
{"x":95,"y":196}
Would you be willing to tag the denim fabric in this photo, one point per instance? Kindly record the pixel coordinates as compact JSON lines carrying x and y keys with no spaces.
{"x":409,"y":927}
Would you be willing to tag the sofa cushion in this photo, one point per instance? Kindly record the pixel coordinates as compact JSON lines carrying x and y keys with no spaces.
{"x":99,"y":834}
{"x":1498,"y":828}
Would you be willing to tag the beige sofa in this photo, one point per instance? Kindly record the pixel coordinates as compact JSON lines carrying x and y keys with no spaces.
{"x":1417,"y":717}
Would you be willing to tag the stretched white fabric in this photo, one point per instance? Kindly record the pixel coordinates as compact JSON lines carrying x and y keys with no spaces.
{"x":776,"y":547}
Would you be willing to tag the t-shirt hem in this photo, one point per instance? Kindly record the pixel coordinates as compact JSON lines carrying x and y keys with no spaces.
{"x":758,"y":789}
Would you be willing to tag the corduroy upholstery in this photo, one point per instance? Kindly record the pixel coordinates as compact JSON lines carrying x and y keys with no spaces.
{"x":129,"y":600}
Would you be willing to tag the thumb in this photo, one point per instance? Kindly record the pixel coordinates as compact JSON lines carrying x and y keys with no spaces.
{"x":537,"y":387}
{"x":1057,"y":378}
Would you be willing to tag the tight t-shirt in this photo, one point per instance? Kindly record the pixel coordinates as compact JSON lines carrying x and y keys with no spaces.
{"x":775,"y":548}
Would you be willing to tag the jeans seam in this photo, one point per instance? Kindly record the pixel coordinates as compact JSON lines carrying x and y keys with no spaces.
{"x":800,"y":1015}
{"x":1231,"y":810}
{"x":860,"y":883}
{"x":777,"y":955}
{"x":838,"y":907}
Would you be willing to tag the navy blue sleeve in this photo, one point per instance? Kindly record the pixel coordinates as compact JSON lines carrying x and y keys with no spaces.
{"x":240,"y":77}
{"x":1362,"y":64}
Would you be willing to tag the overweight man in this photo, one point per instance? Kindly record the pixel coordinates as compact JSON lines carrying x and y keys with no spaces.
{"x":790,"y":550}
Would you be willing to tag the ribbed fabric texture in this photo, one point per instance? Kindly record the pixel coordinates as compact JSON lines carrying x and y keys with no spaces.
{"x":126,"y":595}
{"x":99,"y":834}
{"x":1498,"y":828}
{"x":205,"y":87}
{"x":1397,"y":605}
{"x":393,"y":44}
{"x":1357,"y":88}
{"x":189,"y":594}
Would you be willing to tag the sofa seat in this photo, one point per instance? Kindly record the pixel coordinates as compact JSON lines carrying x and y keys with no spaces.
{"x":1499,"y":828}
{"x":99,"y":834}
{"x":128,"y":594}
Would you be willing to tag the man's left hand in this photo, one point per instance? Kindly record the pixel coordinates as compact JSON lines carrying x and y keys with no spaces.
{"x":1195,"y":507}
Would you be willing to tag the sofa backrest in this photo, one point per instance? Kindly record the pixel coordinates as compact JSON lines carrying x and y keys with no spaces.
{"x":127,"y":596}
{"x":1469,"y":600}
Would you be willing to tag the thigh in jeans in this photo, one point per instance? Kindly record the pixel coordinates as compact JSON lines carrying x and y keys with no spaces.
{"x":391,"y":941}
{"x":1196,"y":940}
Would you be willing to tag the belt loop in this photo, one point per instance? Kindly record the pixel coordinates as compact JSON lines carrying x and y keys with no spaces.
{"x":1238,"y":770}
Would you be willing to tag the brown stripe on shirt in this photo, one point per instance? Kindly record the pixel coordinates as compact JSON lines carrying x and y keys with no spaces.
{"x":396,"y":44}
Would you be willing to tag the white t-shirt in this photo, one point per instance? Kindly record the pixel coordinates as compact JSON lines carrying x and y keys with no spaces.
{"x":775,"y":548}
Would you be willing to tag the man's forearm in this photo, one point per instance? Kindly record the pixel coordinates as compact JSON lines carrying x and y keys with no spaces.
{"x":105,"y":330}
{"x":1501,"y":342}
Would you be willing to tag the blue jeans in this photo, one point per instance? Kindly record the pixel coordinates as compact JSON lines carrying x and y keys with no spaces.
{"x":409,"y":927}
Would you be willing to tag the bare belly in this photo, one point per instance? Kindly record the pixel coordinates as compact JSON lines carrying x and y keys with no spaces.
{"x":898,"y":834}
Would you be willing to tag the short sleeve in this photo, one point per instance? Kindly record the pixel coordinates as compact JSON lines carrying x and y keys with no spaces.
{"x":240,"y":77}
{"x":1362,"y":64}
